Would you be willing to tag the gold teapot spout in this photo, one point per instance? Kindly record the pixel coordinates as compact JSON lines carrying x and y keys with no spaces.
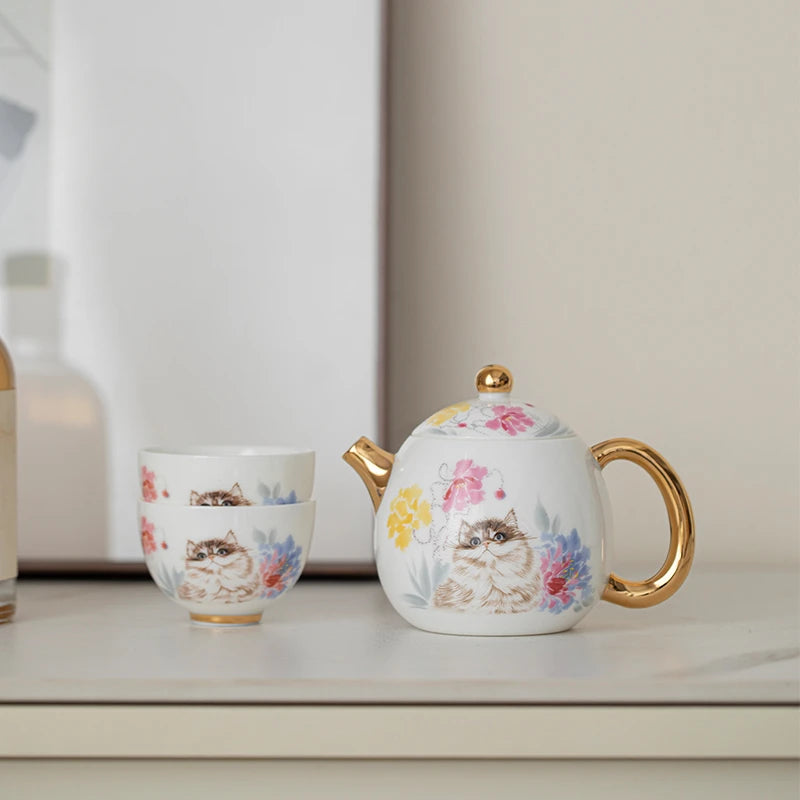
{"x":373,"y":465}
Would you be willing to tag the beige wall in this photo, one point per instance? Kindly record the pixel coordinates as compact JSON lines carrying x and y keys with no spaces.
{"x":603,"y":196}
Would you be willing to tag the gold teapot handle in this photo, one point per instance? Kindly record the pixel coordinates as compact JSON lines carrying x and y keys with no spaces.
{"x":667,"y":581}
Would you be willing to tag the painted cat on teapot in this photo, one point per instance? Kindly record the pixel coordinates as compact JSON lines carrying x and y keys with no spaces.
{"x":493,"y":519}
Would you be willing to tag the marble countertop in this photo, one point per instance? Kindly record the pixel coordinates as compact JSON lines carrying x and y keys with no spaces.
{"x":728,"y":637}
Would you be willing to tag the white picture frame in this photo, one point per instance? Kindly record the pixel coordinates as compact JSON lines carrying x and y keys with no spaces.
{"x":214,"y":196}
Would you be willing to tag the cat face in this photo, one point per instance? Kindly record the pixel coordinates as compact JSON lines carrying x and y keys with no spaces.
{"x":233,"y":497}
{"x":493,"y":571}
{"x":220,"y":570}
{"x":214,"y":554}
{"x":489,"y":540}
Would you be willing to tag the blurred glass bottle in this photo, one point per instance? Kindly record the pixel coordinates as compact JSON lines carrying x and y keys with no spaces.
{"x":16,"y":123}
{"x":62,"y":460}
{"x":8,"y":489}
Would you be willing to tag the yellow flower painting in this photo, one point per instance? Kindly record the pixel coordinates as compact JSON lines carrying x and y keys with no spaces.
{"x":408,"y":514}
{"x":440,"y":417}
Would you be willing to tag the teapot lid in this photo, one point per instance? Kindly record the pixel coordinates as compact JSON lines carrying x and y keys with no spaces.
{"x":493,"y":414}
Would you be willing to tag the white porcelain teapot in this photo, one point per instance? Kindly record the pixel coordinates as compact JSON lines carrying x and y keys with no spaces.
{"x":493,"y":518}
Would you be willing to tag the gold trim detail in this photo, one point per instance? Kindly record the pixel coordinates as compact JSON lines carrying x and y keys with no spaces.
{"x":218,"y":619}
{"x":373,"y":465}
{"x":673,"y":572}
{"x":494,"y":378}
{"x":7,"y":612}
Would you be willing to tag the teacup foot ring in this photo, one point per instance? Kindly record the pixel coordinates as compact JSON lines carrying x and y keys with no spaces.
{"x":225,"y":620}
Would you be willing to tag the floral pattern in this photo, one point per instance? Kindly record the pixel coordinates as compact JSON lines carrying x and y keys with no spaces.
{"x":566,"y":577}
{"x":562,"y":561}
{"x":148,"y":537}
{"x":279,"y":566}
{"x":511,"y":419}
{"x":440,"y":417}
{"x":149,"y":493}
{"x":484,"y":419}
{"x":286,"y":500}
{"x":273,"y":497}
{"x":466,"y":488}
{"x":426,"y":575}
{"x":408,"y":513}
{"x":562,"y":573}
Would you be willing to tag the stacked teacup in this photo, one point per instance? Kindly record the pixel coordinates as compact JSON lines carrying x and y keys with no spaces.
{"x":225,"y":531}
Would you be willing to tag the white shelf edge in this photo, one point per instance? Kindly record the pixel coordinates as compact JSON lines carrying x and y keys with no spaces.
{"x":428,"y":732}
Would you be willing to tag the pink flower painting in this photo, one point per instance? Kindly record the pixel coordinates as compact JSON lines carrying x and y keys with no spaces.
{"x":280,"y":567}
{"x":148,"y":536}
{"x":466,"y":487}
{"x":512,"y":419}
{"x":149,"y":493}
{"x":566,"y":578}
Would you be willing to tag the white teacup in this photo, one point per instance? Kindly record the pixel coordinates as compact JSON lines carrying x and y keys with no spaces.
{"x":226,"y":476}
{"x":225,"y":565}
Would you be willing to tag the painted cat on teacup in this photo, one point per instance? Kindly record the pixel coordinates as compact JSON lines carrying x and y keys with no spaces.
{"x":154,"y":489}
{"x":235,"y":497}
{"x":221,"y":497}
{"x":222,"y":570}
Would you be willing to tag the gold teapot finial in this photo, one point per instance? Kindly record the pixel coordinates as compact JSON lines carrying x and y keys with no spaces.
{"x":494,"y":378}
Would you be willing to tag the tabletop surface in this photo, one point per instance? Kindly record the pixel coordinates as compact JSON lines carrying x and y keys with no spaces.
{"x":728,"y":637}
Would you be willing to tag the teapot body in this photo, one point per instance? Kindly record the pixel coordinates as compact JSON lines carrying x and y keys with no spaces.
{"x":493,"y":537}
{"x":493,"y":518}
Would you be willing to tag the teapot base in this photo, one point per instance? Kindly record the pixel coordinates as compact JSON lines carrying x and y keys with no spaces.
{"x":455,"y":623}
{"x":491,"y":634}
